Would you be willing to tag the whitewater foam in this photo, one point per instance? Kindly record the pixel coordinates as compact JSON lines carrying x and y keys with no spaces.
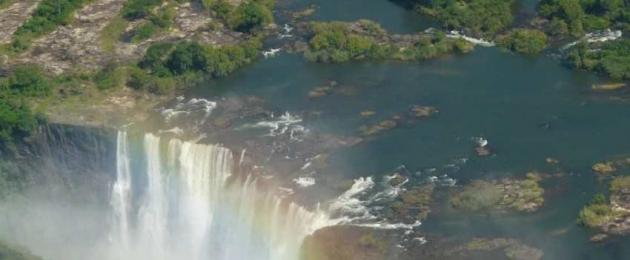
{"x":190,"y":208}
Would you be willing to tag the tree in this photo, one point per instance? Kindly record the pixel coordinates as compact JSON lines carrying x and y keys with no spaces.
{"x":250,"y":16}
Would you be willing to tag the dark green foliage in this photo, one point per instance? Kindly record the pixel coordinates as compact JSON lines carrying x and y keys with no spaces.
{"x":145,"y":31}
{"x":16,"y":119}
{"x":599,"y":199}
{"x":190,"y":57}
{"x":250,"y":16}
{"x":558,"y":27}
{"x":155,"y":58}
{"x":585,"y":15}
{"x":26,"y":81}
{"x":48,"y":15}
{"x":527,"y":41}
{"x":136,"y":9}
{"x":109,"y":77}
{"x":613,"y":59}
{"x":222,"y":9}
{"x":481,"y":17}
{"x":337,"y":42}
{"x":166,"y":66}
{"x":157,"y":21}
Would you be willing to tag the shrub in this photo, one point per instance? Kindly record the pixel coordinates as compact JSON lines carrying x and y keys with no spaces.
{"x":112,"y":33}
{"x":145,"y":31}
{"x":138,"y":79}
{"x":613,"y":59}
{"x":337,"y":42}
{"x":481,"y":17}
{"x":136,"y":9}
{"x":619,"y":184}
{"x":188,"y":56}
{"x":27,"y":81}
{"x":165,"y":60}
{"x":48,"y":15}
{"x":250,"y":16}
{"x":156,"y":22}
{"x":16,"y":120}
{"x":595,"y":215}
{"x":221,"y":8}
{"x":110,"y":77}
{"x":527,"y":41}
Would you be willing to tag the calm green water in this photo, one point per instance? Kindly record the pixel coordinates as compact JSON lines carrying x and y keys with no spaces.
{"x":529,"y":108}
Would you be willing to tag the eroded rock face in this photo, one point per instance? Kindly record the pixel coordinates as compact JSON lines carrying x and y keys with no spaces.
{"x":65,"y":158}
{"x":12,"y":17}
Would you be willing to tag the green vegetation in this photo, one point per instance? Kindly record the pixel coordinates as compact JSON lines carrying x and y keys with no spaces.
{"x":137,"y":9}
{"x":480,"y":17}
{"x":48,"y":15}
{"x":620,"y":184}
{"x":157,"y":18}
{"x":189,"y":57}
{"x":112,"y":33}
{"x":600,"y":212}
{"x":16,"y":119}
{"x":612,"y":59}
{"x":526,"y":41}
{"x":339,"y":42}
{"x":597,"y":213}
{"x":577,"y":16}
{"x":249,"y":17}
{"x":5,"y":3}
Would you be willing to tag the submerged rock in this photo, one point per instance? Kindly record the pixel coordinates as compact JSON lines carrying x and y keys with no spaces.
{"x":604,"y":168}
{"x":608,"y":87}
{"x":609,"y":167}
{"x":483,"y":151}
{"x":367,"y":113}
{"x":423,"y":111}
{"x":598,"y":238}
{"x":551,"y":160}
{"x":378,"y":128}
{"x":322,"y":91}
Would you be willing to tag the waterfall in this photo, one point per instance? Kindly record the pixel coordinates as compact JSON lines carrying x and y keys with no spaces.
{"x":185,"y":203}
{"x":120,"y":190}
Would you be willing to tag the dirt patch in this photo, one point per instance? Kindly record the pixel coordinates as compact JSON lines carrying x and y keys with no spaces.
{"x":12,"y":17}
